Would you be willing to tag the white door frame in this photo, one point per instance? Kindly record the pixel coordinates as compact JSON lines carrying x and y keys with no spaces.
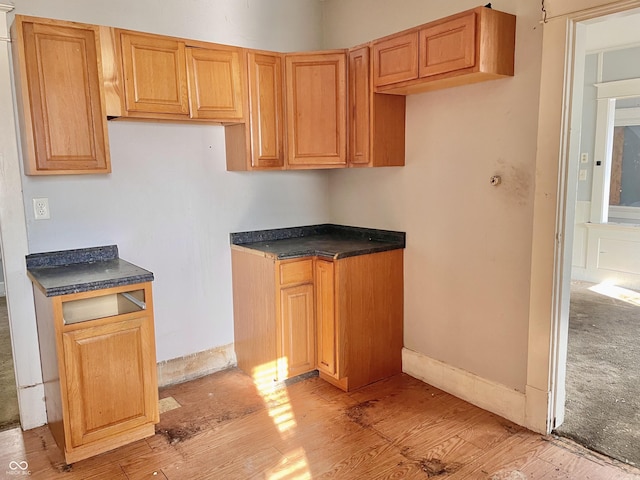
{"x":13,"y":235}
{"x":553,"y":204}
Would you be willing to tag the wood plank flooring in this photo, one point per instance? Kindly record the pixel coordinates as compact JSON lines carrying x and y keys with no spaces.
{"x":229,"y":428}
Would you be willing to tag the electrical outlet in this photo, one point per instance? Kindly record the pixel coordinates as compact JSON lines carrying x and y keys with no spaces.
{"x":41,"y":209}
{"x":584,"y":158}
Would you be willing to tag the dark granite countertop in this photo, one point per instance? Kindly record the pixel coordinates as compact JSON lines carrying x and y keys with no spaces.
{"x":327,"y":240}
{"x":82,"y":270}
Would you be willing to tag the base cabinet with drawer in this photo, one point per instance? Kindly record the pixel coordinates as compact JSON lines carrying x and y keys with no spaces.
{"x":342,"y":317}
{"x":98,"y":360}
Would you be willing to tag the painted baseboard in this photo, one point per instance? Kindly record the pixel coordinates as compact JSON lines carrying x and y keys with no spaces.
{"x":491,"y":396}
{"x":33,"y":412}
{"x":182,"y":369}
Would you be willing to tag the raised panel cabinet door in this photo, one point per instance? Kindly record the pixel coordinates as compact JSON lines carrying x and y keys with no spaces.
{"x":326,"y":333}
{"x":215,"y":84}
{"x":448,"y":46}
{"x":298,"y":330}
{"x":316,"y":102}
{"x":395,"y":59}
{"x":63,"y":100}
{"x":155,"y":75}
{"x":359,"y":107}
{"x":266,"y":110}
{"x":111,"y":379}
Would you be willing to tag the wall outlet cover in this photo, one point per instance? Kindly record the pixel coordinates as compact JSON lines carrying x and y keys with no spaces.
{"x":41,"y":209}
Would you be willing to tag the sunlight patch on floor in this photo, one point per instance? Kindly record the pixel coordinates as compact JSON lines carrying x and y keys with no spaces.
{"x":294,"y":464}
{"x":619,"y":293}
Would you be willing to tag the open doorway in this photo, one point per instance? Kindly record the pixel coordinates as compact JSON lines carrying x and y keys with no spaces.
{"x":9,"y":415}
{"x":602,"y":408}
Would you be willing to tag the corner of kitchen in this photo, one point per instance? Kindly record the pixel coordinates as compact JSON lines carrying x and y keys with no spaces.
{"x":310,"y":297}
{"x":223,"y":221}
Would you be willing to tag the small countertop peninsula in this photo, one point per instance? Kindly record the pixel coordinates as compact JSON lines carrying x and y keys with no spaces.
{"x":327,"y":240}
{"x":82,"y":270}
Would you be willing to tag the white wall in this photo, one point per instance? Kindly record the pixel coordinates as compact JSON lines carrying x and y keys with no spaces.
{"x":169,"y":204}
{"x":280,"y":25}
{"x":467,"y":262}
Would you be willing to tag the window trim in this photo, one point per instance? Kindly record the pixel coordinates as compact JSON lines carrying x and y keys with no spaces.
{"x":607,"y":93}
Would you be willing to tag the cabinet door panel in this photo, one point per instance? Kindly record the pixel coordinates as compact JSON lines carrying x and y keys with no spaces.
{"x":316,"y":109}
{"x":359,"y":107}
{"x":325,"y":318}
{"x":66,"y":106}
{"x":395,"y":59}
{"x":215,"y":84}
{"x":298,"y":335}
{"x":110,"y":373}
{"x":267,"y":111}
{"x":155,"y":74}
{"x":448,"y":46}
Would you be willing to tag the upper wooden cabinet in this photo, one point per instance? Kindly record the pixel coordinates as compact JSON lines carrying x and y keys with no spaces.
{"x":395,"y":58}
{"x":260,"y":143}
{"x":448,"y":46}
{"x":215,"y":83}
{"x":155,"y":74}
{"x":376,"y":121}
{"x":60,"y":97}
{"x":165,"y":78}
{"x":329,"y":109}
{"x":359,"y":107}
{"x":470,"y":47}
{"x":316,"y":106}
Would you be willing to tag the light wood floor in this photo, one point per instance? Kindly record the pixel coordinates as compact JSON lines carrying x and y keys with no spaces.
{"x":226,"y":428}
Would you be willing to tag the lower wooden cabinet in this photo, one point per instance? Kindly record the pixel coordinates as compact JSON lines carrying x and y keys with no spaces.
{"x":99,"y":368}
{"x":326,"y":334}
{"x":343,"y":317}
{"x":297,"y":338}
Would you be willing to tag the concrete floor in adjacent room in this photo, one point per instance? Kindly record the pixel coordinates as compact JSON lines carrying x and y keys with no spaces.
{"x":603,"y":371}
{"x":9,"y":416}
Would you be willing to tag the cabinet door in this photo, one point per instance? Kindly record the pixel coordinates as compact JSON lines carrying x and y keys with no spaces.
{"x":155,"y":74}
{"x":448,"y":46}
{"x":111,"y":379}
{"x":267,"y":111}
{"x":297,"y":329}
{"x":395,"y":59}
{"x":359,"y":107}
{"x":316,"y":109}
{"x":215,"y":84}
{"x":63,"y":100}
{"x":326,"y":333}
